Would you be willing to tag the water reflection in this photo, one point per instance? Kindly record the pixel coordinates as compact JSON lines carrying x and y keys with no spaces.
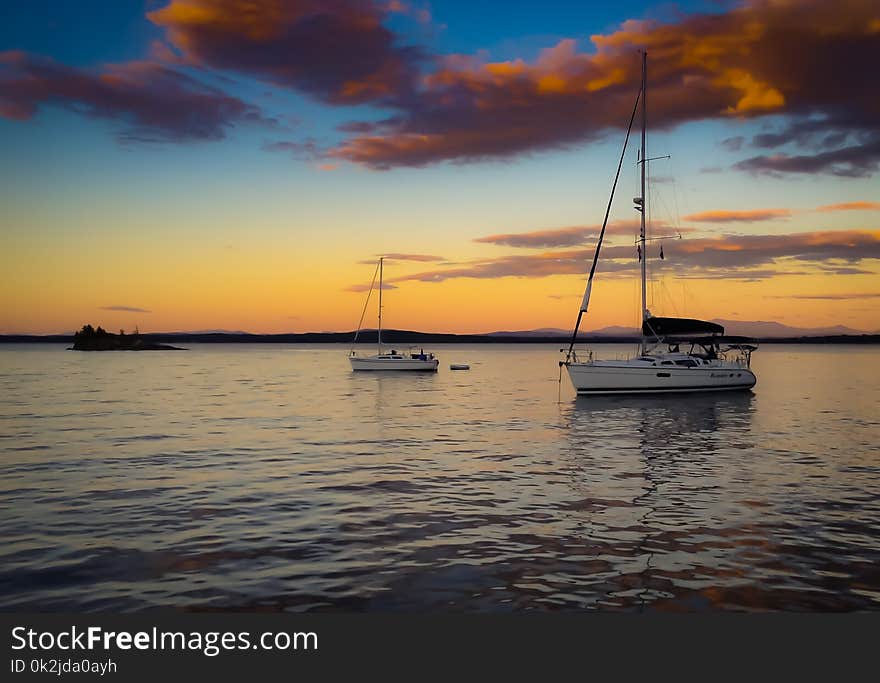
{"x":686,"y":412}
{"x":278,"y":479}
{"x":649,"y":469}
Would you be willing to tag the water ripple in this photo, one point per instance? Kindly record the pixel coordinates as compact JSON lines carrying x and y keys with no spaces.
{"x":246,"y":478}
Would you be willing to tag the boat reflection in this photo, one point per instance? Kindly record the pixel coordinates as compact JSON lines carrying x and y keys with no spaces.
{"x":685,"y":429}
{"x":651,"y":476}
{"x":687,"y":412}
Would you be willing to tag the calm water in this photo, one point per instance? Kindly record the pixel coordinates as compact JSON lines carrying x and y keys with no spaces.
{"x":263,"y":477}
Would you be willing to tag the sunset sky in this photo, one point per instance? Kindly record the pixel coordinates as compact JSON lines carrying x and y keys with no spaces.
{"x":240,"y":164}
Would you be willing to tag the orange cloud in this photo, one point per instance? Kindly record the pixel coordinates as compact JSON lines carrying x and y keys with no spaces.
{"x":728,"y":256}
{"x":569,"y":237}
{"x":800,"y":58}
{"x":851,"y":206}
{"x":738,"y":216}
{"x":830,"y":297}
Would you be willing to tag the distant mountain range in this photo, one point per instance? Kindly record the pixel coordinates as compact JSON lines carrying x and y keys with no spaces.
{"x":761,"y":328}
{"x":746,"y":328}
{"x":766,"y":330}
{"x":208,"y":332}
{"x":541,"y":332}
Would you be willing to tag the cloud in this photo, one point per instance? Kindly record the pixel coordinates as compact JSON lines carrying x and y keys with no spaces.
{"x":736,"y":251}
{"x":125,"y":309}
{"x":337,"y":51}
{"x":559,"y":237}
{"x":366,"y":288}
{"x":761,"y":57}
{"x":756,"y":215}
{"x":158,"y":103}
{"x":854,"y":161}
{"x":568,"y":237}
{"x":530,"y":265}
{"x":751,"y":216}
{"x":727,"y":257}
{"x":307,"y":150}
{"x":740,"y":275}
{"x":846,"y":270}
{"x":811,"y":132}
{"x":829,"y":297}
{"x":733,"y":144}
{"x":412,"y":257}
{"x":850,"y":206}
{"x":420,"y":14}
{"x":424,"y":258}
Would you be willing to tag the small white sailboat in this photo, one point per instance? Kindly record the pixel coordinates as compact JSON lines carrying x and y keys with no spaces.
{"x":393,"y":360}
{"x":675,"y":354}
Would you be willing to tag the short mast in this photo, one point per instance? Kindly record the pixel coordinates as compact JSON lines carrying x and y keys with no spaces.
{"x":642,"y":204}
{"x":379,"y":332}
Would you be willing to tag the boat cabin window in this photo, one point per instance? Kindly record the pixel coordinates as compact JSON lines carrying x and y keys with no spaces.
{"x":667,"y":362}
{"x":687,"y":362}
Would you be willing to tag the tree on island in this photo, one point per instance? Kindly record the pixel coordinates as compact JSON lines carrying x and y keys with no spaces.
{"x":91,"y":339}
{"x":88,"y":331}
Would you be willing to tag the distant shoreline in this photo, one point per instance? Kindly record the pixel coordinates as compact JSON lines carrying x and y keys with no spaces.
{"x":401,"y":337}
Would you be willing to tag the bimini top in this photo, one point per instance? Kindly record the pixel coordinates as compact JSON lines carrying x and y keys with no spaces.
{"x":663,"y":327}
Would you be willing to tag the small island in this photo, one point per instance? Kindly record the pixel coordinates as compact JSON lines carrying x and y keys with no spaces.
{"x":91,"y":339}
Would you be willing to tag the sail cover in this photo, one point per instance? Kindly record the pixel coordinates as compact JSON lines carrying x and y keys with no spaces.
{"x":662,"y":327}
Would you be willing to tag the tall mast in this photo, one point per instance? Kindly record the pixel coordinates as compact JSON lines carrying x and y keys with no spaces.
{"x":379,"y":336}
{"x":643,"y":203}
{"x":585,"y":302}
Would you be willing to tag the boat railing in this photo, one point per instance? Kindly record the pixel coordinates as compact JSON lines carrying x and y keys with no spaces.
{"x":572,"y":356}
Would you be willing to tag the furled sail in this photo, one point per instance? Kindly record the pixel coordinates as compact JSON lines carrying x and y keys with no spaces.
{"x":663,"y":327}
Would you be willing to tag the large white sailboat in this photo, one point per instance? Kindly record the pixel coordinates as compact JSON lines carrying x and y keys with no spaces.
{"x":675,"y":354}
{"x":392,"y":360}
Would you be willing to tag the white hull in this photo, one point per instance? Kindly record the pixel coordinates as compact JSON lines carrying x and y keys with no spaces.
{"x":394,"y":361}
{"x":609,"y":377}
{"x":385,"y":363}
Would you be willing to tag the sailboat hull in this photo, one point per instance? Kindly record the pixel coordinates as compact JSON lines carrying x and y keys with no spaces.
{"x":607,"y":378}
{"x":381,"y":363}
{"x":394,"y":361}
{"x":704,"y":368}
